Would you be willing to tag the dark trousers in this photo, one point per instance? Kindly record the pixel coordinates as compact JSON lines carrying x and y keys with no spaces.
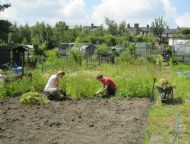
{"x":111,"y":91}
{"x":56,"y":95}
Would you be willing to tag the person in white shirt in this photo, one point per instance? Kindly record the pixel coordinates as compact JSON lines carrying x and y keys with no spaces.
{"x":52,"y":89}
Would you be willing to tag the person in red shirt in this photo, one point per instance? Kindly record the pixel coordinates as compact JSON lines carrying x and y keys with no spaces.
{"x":108,"y":84}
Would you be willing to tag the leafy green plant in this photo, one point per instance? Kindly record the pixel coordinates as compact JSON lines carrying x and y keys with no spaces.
{"x":77,"y":56}
{"x":152,"y":59}
{"x":102,"y":50}
{"x":159,"y":61}
{"x":33,"y":98}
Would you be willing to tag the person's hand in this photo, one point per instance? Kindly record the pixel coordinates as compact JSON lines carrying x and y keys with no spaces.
{"x":97,"y":92}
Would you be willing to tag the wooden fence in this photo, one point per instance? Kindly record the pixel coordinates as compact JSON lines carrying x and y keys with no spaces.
{"x":182,"y":58}
{"x":106,"y":59}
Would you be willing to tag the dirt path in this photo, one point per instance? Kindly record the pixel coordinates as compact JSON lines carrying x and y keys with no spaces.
{"x":101,"y":121}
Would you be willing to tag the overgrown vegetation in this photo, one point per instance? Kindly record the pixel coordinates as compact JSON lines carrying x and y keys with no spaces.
{"x":133,"y":75}
{"x":132,"y":78}
{"x":183,"y":33}
{"x":162,"y":119}
{"x":34,"y":98}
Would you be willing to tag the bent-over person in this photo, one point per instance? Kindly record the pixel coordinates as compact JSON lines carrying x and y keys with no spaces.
{"x":52,"y":89}
{"x":109,"y":85}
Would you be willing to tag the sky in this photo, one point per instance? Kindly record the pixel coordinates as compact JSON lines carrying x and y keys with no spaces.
{"x":85,"y":12}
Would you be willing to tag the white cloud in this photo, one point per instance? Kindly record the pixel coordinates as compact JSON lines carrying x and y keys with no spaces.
{"x":31,"y":11}
{"x":136,"y":11}
{"x":183,"y":20}
{"x":73,"y":8}
{"x":78,"y":12}
{"x":169,"y":8}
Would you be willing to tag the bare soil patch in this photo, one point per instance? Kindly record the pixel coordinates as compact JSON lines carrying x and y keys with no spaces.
{"x":100,"y":121}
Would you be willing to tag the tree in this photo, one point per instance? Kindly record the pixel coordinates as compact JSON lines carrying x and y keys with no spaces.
{"x":112,"y":26}
{"x":5,"y":28}
{"x":59,"y":31}
{"x":102,"y":50}
{"x":158,"y":27}
{"x":4,"y":25}
{"x":122,"y":29}
{"x":4,"y":6}
{"x":185,"y":31}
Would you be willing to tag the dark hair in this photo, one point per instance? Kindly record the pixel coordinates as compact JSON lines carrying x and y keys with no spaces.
{"x":99,"y":76}
{"x":61,"y":73}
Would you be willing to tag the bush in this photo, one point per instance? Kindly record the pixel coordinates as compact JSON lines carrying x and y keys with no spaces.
{"x":152,"y":59}
{"x":102,"y":50}
{"x":33,"y":98}
{"x":77,"y":56}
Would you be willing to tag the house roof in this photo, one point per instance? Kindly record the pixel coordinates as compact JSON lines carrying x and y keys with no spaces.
{"x":148,"y":29}
{"x":170,"y":31}
{"x":145,"y":29}
{"x":85,"y":46}
{"x":15,"y":46}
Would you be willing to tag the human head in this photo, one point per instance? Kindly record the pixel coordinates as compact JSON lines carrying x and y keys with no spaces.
{"x":99,"y":76}
{"x":60,"y":74}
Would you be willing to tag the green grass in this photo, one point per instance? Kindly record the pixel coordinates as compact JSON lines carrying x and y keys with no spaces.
{"x":133,"y":80}
{"x":162,"y":120}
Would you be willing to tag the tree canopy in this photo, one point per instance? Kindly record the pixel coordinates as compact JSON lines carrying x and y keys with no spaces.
{"x":4,"y":6}
{"x":4,"y":25}
{"x":158,"y":27}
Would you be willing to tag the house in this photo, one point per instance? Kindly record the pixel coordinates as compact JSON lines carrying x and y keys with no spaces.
{"x":89,"y":50}
{"x":168,"y":33}
{"x":12,"y":55}
{"x":91,"y":27}
{"x":137,"y":30}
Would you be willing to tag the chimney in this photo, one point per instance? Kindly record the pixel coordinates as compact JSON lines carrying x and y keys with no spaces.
{"x":92,"y":26}
{"x":136,"y":25}
{"x":128,"y":25}
{"x":136,"y":29}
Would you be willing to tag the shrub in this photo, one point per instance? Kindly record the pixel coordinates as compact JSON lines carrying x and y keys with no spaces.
{"x":152,"y":59}
{"x":77,"y":56}
{"x":33,"y":98}
{"x":102,"y":50}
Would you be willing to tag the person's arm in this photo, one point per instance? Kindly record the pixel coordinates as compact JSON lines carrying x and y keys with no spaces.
{"x":105,"y":87}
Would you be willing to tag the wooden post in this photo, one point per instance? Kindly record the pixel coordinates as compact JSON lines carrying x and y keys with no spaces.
{"x":23,"y":63}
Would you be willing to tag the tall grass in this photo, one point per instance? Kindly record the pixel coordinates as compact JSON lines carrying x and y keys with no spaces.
{"x":20,"y":86}
{"x":80,"y":85}
{"x":132,"y":80}
{"x":162,"y":119}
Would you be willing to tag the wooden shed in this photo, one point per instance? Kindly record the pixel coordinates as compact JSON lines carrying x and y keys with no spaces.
{"x":12,"y":55}
{"x":89,"y":50}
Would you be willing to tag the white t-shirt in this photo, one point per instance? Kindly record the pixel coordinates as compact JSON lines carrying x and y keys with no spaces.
{"x":52,"y":84}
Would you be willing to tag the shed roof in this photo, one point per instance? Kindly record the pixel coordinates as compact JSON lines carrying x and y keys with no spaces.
{"x":85,"y":46}
{"x":16,"y":46}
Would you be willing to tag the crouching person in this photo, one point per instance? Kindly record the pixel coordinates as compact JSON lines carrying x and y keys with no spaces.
{"x":52,"y":89}
{"x":109,"y":87}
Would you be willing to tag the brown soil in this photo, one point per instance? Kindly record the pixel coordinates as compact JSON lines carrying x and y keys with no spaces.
{"x":100,"y":121}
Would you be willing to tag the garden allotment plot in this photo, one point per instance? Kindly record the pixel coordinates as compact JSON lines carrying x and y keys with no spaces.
{"x":100,"y":121}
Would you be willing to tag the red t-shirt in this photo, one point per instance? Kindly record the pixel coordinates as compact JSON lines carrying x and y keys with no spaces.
{"x":109,"y":82}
